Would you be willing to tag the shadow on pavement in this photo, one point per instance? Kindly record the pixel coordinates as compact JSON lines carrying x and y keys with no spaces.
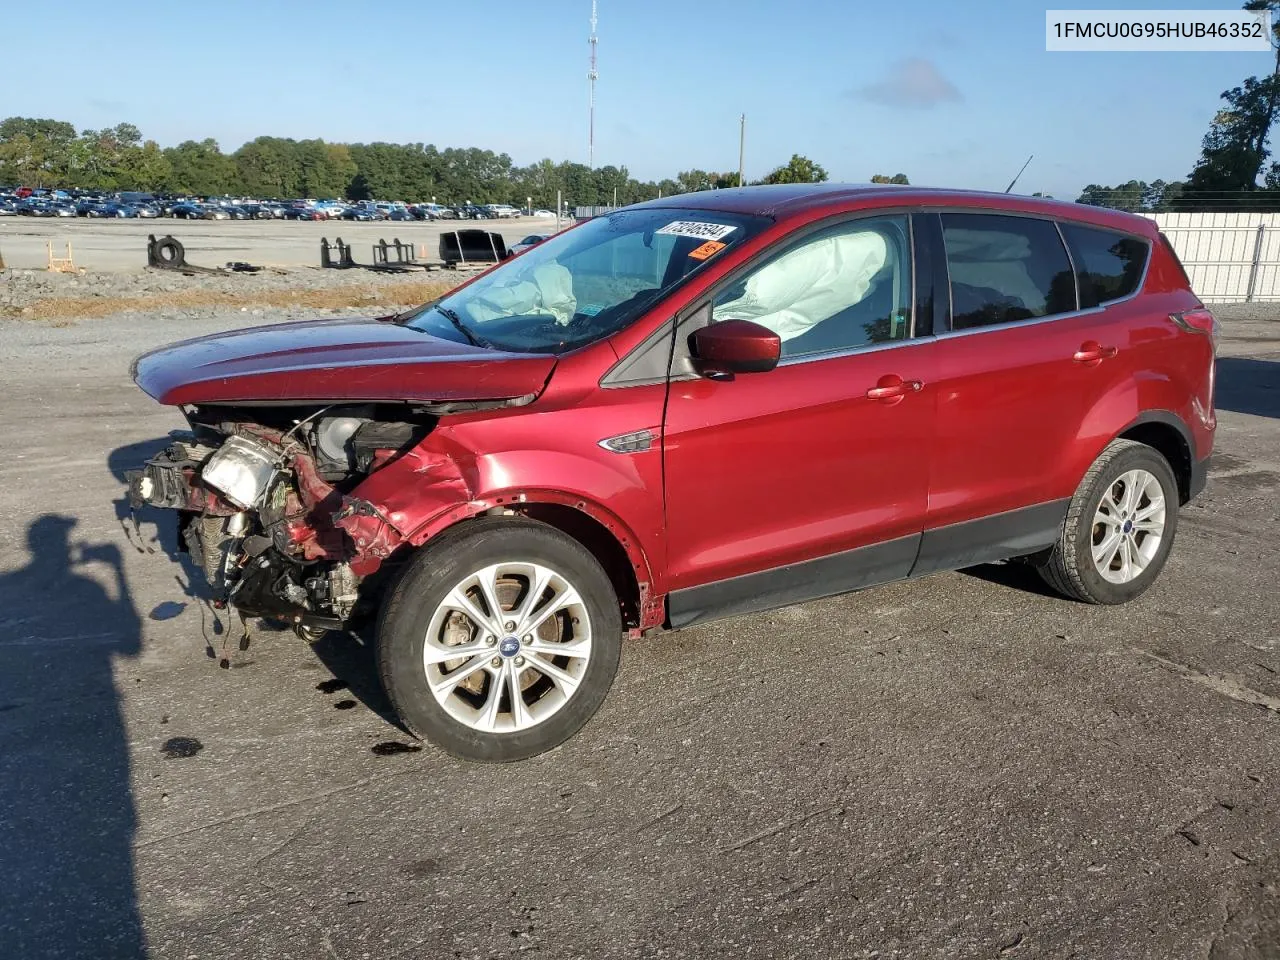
{"x":1015,"y":576}
{"x":1245,"y":385}
{"x":352,"y":663}
{"x":66,"y":809}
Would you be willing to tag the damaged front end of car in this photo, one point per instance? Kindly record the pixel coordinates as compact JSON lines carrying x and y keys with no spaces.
{"x":319,"y":452}
{"x":270,"y":506}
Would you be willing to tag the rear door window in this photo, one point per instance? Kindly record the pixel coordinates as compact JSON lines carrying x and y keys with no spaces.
{"x":1109,"y":265}
{"x":1005,"y":269}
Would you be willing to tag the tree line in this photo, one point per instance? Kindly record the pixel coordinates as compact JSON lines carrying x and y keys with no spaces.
{"x":1233,"y":169}
{"x":50,"y":153}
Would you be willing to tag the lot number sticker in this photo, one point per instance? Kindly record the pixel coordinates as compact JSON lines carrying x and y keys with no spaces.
{"x":707,"y":250}
{"x":698,"y":229}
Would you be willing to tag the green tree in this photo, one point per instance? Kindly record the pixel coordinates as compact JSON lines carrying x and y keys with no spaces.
{"x":36,"y":152}
{"x":691,"y":181}
{"x":1126,"y":196}
{"x":1235,"y":150}
{"x":1236,"y":147}
{"x":885,"y":178}
{"x":200,"y":168}
{"x":798,"y":170}
{"x":267,"y":167}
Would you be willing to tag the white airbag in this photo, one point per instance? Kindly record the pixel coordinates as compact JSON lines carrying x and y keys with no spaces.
{"x":809,"y":284}
{"x":546,"y":289}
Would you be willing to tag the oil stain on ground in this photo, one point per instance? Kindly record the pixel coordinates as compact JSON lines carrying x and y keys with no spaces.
{"x":180,"y":747}
{"x":392,"y":747}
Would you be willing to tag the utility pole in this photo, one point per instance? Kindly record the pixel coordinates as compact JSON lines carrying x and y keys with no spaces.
{"x":592,"y":74}
{"x":742,"y":143}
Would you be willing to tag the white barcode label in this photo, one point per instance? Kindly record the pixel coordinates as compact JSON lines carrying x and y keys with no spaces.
{"x":698,"y":229}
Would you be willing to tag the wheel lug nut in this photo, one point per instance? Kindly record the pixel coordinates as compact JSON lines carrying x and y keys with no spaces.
{"x":528,"y":638}
{"x":490,"y":641}
{"x":519,"y":661}
{"x":495,"y":662}
{"x":511,"y":625}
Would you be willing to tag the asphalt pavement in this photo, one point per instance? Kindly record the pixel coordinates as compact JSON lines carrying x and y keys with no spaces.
{"x":963,"y":766}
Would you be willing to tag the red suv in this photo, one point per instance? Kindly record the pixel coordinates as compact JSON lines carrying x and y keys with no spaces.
{"x":693,"y":408}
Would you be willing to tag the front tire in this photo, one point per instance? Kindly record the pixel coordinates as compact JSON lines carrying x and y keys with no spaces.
{"x":1119,"y":527}
{"x":499,"y":640}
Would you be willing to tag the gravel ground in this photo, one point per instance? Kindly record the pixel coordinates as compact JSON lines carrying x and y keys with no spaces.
{"x":20,"y":288}
{"x":958,"y":767}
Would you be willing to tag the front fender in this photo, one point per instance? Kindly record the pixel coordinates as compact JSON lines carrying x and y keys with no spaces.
{"x":443,"y":482}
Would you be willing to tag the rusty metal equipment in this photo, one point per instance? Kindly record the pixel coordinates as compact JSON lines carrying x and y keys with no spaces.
{"x":394,"y":254}
{"x":60,"y":264}
{"x":336,"y":256}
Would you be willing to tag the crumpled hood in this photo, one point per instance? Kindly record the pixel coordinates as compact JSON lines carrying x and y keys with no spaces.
{"x":325,"y":360}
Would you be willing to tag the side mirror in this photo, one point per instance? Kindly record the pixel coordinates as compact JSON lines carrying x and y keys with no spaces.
{"x":736,"y":346}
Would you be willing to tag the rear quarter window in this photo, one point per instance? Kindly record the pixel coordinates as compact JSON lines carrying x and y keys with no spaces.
{"x":1109,"y":265}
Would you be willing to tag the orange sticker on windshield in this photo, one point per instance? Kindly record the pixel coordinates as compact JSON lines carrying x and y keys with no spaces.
{"x":708,"y":249}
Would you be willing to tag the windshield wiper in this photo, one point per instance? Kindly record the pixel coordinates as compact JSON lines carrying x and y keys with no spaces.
{"x":472,"y":338}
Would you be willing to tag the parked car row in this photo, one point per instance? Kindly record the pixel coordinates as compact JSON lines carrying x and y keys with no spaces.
{"x":49,"y":203}
{"x":43,"y":207}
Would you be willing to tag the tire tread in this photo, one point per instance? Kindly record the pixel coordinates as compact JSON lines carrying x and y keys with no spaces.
{"x":1063,"y":568}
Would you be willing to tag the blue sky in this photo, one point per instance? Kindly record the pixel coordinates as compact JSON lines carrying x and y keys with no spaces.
{"x":951,"y":94}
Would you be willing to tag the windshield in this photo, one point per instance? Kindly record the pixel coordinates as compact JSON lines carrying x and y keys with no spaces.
{"x":586,"y":283}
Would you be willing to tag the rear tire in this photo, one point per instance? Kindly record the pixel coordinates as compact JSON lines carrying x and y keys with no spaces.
{"x":1119,"y":528}
{"x":558,"y":668}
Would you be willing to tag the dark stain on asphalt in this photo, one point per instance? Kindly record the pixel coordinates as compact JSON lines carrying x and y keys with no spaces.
{"x":390,"y":748}
{"x":427,"y":867}
{"x":167,"y":610}
{"x":331,"y":686}
{"x":180,"y":747}
{"x":344,"y":705}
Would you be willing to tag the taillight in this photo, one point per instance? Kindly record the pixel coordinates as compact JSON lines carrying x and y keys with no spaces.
{"x":1199,"y":320}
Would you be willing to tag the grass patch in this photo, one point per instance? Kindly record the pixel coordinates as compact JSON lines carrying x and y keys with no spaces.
{"x":65,"y":310}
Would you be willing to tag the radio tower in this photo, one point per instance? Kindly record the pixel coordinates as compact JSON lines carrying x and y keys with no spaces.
{"x":592,"y":74}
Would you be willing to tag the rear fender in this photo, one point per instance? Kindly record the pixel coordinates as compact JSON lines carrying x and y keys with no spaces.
{"x":1148,"y":397}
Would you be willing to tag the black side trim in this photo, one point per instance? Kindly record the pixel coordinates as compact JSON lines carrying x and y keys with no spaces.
{"x":1199,"y":477}
{"x":1184,"y":466}
{"x":794,"y":583}
{"x":997,"y":537}
{"x":933,"y":289}
{"x":646,"y":363}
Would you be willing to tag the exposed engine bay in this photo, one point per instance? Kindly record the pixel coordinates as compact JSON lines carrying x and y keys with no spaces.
{"x":266,"y":505}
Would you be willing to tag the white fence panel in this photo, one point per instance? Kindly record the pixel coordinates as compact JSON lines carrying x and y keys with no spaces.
{"x":1230,"y":257}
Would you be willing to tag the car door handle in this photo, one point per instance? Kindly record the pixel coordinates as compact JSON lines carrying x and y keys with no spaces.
{"x":1092,"y":352}
{"x":891,"y":387}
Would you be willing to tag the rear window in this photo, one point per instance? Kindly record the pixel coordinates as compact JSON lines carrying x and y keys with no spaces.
{"x":1005,"y":269}
{"x":1109,"y":265}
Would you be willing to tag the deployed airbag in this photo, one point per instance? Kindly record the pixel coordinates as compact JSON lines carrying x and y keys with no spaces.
{"x":809,"y":284}
{"x":546,"y":289}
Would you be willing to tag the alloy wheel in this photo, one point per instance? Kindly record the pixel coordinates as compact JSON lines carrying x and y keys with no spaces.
{"x":1128,"y":526}
{"x":508,"y":647}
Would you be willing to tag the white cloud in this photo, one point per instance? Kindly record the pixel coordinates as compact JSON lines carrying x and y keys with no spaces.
{"x":913,"y":83}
